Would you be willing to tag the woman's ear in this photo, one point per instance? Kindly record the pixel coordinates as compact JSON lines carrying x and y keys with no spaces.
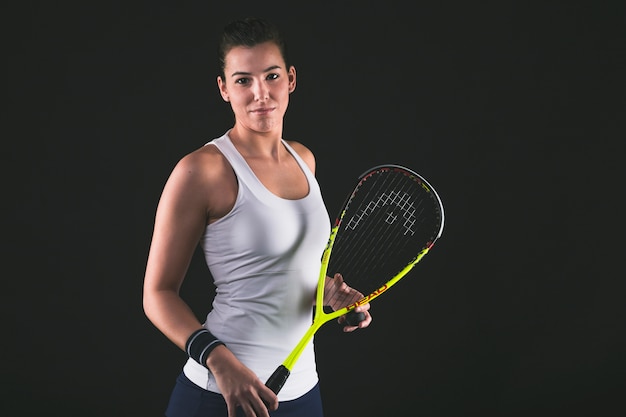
{"x":222,"y":87}
{"x":292,"y":78}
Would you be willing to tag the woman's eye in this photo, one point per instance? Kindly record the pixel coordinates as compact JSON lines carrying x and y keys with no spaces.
{"x":242,"y":81}
{"x":272,"y":77}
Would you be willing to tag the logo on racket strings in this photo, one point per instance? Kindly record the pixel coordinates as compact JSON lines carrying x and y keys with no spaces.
{"x":401,"y":200}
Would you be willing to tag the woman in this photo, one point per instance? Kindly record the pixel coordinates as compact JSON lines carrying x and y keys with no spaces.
{"x":251,"y":200}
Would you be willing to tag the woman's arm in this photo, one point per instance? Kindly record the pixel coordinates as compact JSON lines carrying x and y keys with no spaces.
{"x":179,"y":223}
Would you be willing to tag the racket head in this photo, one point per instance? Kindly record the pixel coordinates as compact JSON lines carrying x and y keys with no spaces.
{"x":387,"y":224}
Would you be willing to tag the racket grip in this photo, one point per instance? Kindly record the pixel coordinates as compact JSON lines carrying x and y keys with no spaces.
{"x":353,"y":318}
{"x":276,"y":381}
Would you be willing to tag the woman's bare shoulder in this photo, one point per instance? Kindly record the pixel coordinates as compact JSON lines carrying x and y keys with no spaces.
{"x":208,"y":179}
{"x":206,"y":162}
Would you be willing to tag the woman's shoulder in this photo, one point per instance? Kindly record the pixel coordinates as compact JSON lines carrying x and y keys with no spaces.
{"x":206,"y":163}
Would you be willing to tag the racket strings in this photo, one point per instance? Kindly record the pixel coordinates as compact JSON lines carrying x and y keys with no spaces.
{"x":385,"y":228}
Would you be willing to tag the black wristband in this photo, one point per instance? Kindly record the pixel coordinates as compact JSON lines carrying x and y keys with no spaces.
{"x":200,"y":344}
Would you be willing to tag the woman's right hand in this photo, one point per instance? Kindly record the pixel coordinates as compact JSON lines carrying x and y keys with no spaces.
{"x":239,"y":386}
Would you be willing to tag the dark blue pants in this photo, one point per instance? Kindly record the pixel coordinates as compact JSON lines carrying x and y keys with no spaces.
{"x":189,"y":400}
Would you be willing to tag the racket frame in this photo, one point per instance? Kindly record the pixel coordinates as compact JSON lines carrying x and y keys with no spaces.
{"x":320,"y":317}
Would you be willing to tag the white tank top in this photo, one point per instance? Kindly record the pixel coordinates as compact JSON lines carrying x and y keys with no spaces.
{"x":264,"y":256}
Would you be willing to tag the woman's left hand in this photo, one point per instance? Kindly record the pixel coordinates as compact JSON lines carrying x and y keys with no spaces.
{"x":338,"y":294}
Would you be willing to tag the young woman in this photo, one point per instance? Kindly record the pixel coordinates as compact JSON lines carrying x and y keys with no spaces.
{"x":251,"y":200}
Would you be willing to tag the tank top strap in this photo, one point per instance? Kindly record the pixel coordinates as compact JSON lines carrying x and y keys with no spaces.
{"x":240,"y":166}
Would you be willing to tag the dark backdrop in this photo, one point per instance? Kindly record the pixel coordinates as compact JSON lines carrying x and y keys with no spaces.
{"x":514,"y":111}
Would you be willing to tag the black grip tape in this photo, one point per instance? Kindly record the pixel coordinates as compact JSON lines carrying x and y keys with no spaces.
{"x":353,"y":318}
{"x":276,"y":381}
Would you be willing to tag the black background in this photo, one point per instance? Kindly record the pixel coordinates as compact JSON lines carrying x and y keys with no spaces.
{"x":513,"y":110}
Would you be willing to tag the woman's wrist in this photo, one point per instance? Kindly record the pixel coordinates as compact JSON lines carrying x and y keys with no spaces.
{"x":219,"y":360}
{"x":200,"y":345}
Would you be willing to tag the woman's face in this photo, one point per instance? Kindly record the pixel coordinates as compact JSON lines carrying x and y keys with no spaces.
{"x":257,"y":84}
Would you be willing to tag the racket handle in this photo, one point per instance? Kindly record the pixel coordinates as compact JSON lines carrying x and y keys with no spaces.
{"x":276,"y":381}
{"x":353,"y":318}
